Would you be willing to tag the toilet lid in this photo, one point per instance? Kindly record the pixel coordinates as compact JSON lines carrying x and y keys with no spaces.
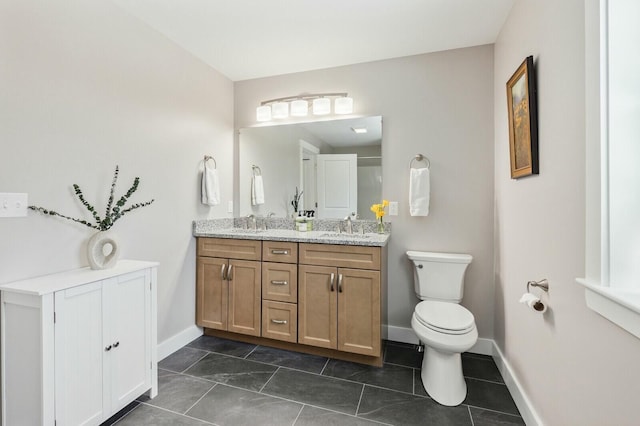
{"x":445,"y":317}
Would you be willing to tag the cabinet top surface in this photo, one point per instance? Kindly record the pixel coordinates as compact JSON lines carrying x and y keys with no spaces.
{"x":46,"y":284}
{"x":322,"y":237}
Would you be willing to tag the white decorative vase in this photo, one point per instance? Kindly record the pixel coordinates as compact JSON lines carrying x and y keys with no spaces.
{"x":103,"y":250}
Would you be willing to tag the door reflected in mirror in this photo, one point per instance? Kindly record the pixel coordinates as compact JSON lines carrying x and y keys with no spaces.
{"x":337,"y":165}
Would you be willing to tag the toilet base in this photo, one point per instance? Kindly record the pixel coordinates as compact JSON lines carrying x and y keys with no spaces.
{"x":442,"y":377}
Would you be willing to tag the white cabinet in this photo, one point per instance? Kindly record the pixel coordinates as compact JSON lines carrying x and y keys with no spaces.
{"x":78,"y":346}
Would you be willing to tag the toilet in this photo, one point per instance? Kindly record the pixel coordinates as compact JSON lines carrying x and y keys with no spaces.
{"x":445,"y":327}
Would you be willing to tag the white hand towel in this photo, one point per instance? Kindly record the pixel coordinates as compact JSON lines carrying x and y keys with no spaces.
{"x":210,"y":186}
{"x":419,"y":192}
{"x":257,"y":190}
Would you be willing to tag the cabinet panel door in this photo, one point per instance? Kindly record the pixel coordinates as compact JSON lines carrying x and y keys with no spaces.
{"x":359,"y":311}
{"x":317,"y":305}
{"x":129,"y":316}
{"x":245,"y":288}
{"x":79,"y":355}
{"x":212,"y":293}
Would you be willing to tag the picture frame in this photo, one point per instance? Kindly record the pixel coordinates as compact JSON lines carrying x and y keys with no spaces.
{"x":523,"y":120}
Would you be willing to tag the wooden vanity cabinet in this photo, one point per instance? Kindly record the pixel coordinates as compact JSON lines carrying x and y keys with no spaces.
{"x":228,"y":285}
{"x":339,"y":305}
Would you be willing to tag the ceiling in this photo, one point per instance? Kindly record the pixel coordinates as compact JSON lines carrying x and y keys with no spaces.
{"x":246,"y":39}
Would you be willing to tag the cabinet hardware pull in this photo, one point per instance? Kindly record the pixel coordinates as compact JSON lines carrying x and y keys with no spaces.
{"x":279,"y":251}
{"x":222,"y":275}
{"x":108,"y":348}
{"x":116,"y":344}
{"x":275,"y":321}
{"x":230,"y":273}
{"x":275,"y":282}
{"x":333,"y":277}
{"x":340,"y":283}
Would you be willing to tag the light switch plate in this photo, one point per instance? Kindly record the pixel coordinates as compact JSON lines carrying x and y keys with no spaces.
{"x":393,"y":208}
{"x":13,"y":204}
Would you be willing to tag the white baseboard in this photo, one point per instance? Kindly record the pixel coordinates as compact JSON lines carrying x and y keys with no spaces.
{"x":528,"y":413}
{"x":399,"y":334}
{"x":177,"y":341}
{"x":406,"y":335}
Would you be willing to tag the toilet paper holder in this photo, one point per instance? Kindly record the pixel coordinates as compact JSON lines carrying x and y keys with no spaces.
{"x":543,"y":284}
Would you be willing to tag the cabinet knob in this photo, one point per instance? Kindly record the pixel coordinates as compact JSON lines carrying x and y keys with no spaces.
{"x":116,"y":344}
{"x":275,"y":321}
{"x":108,"y":348}
{"x":279,"y":251}
{"x":340,"y":283}
{"x":276,"y":282}
{"x":230,"y":273}
{"x":333,"y":277}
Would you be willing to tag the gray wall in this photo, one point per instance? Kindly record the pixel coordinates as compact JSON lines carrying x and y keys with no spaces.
{"x":85,"y":87}
{"x":439,"y":105}
{"x":574,"y":366}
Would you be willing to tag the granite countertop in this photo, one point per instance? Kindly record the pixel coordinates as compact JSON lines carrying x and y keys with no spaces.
{"x":225,"y":229}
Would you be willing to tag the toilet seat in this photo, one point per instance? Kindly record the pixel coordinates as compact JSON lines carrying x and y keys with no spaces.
{"x":444,"y":317}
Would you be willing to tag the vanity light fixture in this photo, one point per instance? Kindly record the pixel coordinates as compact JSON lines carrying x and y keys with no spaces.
{"x":298,"y":106}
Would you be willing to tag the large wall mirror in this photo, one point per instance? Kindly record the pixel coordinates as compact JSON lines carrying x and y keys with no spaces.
{"x":337,"y":165}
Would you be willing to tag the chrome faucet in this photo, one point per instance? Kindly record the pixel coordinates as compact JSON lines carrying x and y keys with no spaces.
{"x":254,"y":223}
{"x":348,"y":226}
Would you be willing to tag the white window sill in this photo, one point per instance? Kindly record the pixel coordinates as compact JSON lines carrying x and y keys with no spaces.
{"x":619,"y":306}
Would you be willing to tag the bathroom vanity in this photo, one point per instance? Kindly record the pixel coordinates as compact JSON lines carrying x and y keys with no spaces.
{"x":316,"y":292}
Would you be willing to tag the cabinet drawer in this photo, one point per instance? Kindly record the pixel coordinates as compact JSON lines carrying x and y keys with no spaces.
{"x":358,"y":257}
{"x":280,"y":251}
{"x":230,"y":248}
{"x":280,"y":282}
{"x":280,"y":321}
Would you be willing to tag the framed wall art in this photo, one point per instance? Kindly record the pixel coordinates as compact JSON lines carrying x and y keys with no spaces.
{"x":523,"y":120}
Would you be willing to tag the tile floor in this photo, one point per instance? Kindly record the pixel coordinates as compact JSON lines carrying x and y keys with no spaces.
{"x":214,"y":381}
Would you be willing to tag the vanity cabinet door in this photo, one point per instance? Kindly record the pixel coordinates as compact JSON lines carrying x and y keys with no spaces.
{"x":212,"y":293}
{"x":317,"y":306}
{"x":359,"y":311}
{"x":245,"y":289}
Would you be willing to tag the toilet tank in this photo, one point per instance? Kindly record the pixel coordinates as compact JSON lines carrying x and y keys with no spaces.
{"x":439,"y":276}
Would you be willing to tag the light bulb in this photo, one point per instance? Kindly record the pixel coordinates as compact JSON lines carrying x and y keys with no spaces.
{"x":299,"y":108}
{"x":263,"y":113}
{"x":280,"y":110}
{"x":321,"y":106}
{"x":343,"y":105}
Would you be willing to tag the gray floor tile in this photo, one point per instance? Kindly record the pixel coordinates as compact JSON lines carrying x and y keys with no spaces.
{"x":182,"y":359}
{"x":145,"y":415}
{"x":480,"y":367}
{"x":313,"y":416}
{"x":222,"y":346}
{"x":492,"y":418}
{"x":233,"y":371}
{"x":227,"y":406}
{"x":406,"y":355}
{"x":402,"y":409}
{"x":177,"y":392}
{"x":388,"y":376}
{"x":417,"y":383}
{"x":492,"y":396}
{"x":297,"y":360}
{"x":327,"y":392}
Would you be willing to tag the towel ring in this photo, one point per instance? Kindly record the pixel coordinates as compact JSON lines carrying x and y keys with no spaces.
{"x":420,"y":157}
{"x":208,"y":157}
{"x":254,"y":167}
